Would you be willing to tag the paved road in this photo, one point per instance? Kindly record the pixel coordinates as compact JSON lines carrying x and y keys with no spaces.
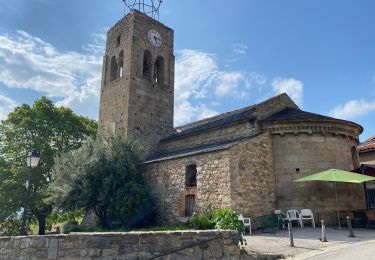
{"x":357,"y":252}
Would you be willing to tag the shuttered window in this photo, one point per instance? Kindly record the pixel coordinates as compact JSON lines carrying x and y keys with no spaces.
{"x":190,"y":205}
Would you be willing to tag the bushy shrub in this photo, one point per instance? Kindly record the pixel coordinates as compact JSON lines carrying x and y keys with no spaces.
{"x":103,"y":176}
{"x":228,"y":219}
{"x":213,"y":218}
{"x":10,"y":226}
{"x":201,"y":221}
{"x":69,"y":226}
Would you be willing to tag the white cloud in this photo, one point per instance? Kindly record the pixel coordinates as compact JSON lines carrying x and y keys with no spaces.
{"x":259,"y":79}
{"x":6,"y":106}
{"x":239,"y":48}
{"x":353,"y":109}
{"x":185,"y":112}
{"x":28,"y":62}
{"x":73,"y":78}
{"x":195,"y":71}
{"x":230,"y":83}
{"x":206,"y":112}
{"x":232,"y":61}
{"x":293,"y":87}
{"x":197,"y":78}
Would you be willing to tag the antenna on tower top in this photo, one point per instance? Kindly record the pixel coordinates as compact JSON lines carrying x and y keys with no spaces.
{"x":148,"y":7}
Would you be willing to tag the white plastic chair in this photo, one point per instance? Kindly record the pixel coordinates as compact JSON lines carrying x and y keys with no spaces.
{"x":306,"y":214}
{"x":246,"y":222}
{"x":281,"y":215}
{"x":294,"y":215}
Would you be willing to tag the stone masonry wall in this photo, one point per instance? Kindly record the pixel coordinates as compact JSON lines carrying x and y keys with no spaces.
{"x":133,"y":245}
{"x":252,"y":177}
{"x":240,"y":177}
{"x":299,"y":155}
{"x":274,"y":105}
{"x":167,"y":180}
{"x":135,"y":104}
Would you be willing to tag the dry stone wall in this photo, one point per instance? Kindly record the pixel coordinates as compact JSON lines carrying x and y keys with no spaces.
{"x":215,"y":244}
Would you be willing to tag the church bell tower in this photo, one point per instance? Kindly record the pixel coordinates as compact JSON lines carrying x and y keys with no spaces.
{"x":138,"y":80}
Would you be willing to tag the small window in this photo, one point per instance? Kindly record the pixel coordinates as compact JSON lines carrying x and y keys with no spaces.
{"x":147,"y":64}
{"x":118,"y":40}
{"x":159,"y":71}
{"x":189,"y":205}
{"x":114,"y":68}
{"x":106,"y":65}
{"x":191,"y":176}
{"x":121,"y":64}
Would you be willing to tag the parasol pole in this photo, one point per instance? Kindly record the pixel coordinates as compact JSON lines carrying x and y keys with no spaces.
{"x":337,"y":206}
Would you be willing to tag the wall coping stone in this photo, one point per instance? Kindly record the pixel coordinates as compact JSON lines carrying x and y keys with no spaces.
{"x":197,"y":244}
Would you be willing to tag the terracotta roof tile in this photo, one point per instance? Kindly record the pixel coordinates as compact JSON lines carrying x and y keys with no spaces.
{"x":368,"y":145}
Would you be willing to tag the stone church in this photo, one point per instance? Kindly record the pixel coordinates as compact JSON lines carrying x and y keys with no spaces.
{"x":245,"y":159}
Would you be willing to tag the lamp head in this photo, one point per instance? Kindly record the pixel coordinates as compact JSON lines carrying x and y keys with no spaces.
{"x":33,"y":159}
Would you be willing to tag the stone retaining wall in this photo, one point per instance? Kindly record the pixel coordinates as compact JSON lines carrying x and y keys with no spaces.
{"x":214,"y":244}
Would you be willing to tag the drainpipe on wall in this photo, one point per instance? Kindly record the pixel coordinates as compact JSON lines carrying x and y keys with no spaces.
{"x":363,"y":166}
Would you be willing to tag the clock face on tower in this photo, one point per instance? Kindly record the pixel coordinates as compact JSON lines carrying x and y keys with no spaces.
{"x":154,"y":38}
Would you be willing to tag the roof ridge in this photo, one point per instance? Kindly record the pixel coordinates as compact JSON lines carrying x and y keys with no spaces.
{"x":223,"y":115}
{"x":279,"y":116}
{"x":201,"y":148}
{"x":368,"y":142}
{"x":214,"y":118}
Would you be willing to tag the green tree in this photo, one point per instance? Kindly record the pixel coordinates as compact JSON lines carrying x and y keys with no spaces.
{"x":102,"y":176}
{"x":49,"y":129}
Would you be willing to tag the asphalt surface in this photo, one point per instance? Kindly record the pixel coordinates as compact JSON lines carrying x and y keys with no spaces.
{"x":365,"y":251}
{"x":308,"y":245}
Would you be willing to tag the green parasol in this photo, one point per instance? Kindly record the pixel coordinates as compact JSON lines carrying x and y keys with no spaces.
{"x":335,"y":176}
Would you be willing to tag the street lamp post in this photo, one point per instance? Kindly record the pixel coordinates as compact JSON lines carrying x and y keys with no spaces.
{"x":32,"y":162}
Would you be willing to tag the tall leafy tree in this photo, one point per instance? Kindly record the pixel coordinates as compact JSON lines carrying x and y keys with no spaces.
{"x":48,"y":129}
{"x":102,"y":176}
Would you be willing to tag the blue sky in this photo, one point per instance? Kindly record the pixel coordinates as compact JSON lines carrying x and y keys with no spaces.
{"x":229,"y":54}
